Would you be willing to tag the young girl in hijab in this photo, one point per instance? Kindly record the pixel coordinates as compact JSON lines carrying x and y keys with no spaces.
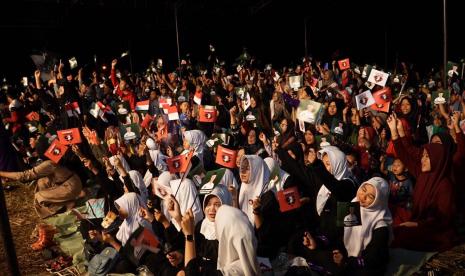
{"x":236,"y":245}
{"x":335,"y":183}
{"x":254,"y":175}
{"x":195,"y":140}
{"x":367,"y":245}
{"x":185,"y":194}
{"x":137,"y":181}
{"x":205,"y":231}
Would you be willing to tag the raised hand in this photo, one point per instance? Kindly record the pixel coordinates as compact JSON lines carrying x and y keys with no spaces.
{"x":308,"y":241}
{"x":392,"y":123}
{"x":173,"y":209}
{"x":188,"y":223}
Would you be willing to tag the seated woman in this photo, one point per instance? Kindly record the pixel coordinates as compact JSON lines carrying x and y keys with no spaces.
{"x":367,"y":245}
{"x":205,"y":231}
{"x":335,"y":183}
{"x":57,"y":186}
{"x":236,"y":244}
{"x":431,"y":224}
{"x":254,"y":176}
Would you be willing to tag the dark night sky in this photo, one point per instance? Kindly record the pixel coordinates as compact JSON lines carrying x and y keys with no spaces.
{"x":274,"y":32}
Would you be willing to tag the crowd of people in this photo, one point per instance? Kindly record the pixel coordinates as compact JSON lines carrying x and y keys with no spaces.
{"x":243,"y":170}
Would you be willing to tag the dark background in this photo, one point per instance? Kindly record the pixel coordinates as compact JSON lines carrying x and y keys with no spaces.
{"x":381,"y":32}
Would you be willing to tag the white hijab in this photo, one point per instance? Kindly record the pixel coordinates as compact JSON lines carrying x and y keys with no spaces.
{"x":228,"y":178}
{"x":157,"y":157}
{"x":237,"y":243}
{"x":123,"y":162}
{"x":186,"y":197}
{"x":259,"y":176}
{"x":130,"y":203}
{"x":136,"y":178}
{"x":196,"y":139}
{"x":164,"y":180}
{"x":375,"y":216}
{"x":340,"y":171}
{"x":159,"y":162}
{"x":275,"y":170}
{"x":208,"y":227}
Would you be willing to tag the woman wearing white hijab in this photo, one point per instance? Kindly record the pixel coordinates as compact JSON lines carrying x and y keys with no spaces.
{"x":237,"y":243}
{"x":124,"y":163}
{"x":128,"y":206}
{"x":161,"y":187}
{"x":187,"y":198}
{"x":229,"y":179}
{"x":138,"y":182}
{"x":158,"y":160}
{"x":368,"y":244}
{"x":254,"y":176}
{"x":335,"y":183}
{"x":206,"y":240}
{"x":195,"y":140}
{"x":211,"y":202}
{"x":157,"y":157}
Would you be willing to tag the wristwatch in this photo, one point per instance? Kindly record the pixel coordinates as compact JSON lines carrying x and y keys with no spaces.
{"x":190,"y":238}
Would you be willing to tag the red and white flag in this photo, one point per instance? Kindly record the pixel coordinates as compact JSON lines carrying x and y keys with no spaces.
{"x":173,"y":114}
{"x":198,"y":97}
{"x":142,"y":106}
{"x":98,"y":109}
{"x":72,"y":109}
{"x":165,"y":104}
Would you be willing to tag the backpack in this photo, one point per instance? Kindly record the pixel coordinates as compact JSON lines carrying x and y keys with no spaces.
{"x":102,"y":263}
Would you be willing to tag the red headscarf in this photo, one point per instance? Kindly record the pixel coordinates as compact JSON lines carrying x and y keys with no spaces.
{"x":430,"y":183}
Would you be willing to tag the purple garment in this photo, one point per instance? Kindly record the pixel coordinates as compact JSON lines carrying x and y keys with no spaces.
{"x":290,"y":101}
